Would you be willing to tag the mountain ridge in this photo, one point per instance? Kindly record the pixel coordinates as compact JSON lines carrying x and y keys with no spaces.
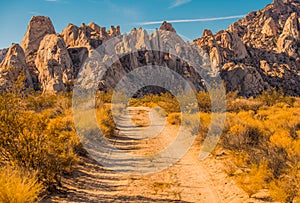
{"x":259,"y":52}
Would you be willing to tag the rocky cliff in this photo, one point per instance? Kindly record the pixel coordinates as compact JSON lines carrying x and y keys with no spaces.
{"x":38,"y":28}
{"x":258,"y":52}
{"x":2,"y":54}
{"x":14,"y":66}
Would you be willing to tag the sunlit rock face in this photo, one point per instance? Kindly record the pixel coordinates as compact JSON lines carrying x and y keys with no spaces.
{"x":2,"y":54}
{"x":264,"y":44}
{"x":54,"y":64}
{"x":258,"y":52}
{"x":37,"y":29}
{"x":13,"y":67}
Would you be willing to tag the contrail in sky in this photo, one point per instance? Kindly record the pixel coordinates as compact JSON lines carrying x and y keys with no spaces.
{"x":191,"y":20}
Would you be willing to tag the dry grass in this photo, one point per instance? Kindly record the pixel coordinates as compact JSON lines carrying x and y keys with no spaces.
{"x":266,"y":142}
{"x":174,"y":118}
{"x":106,"y":121}
{"x":17,"y":186}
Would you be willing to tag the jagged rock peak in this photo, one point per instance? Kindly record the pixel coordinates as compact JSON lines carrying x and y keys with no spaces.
{"x":94,"y":26}
{"x":114,"y":31}
{"x":133,"y":30}
{"x":15,"y":51}
{"x":38,"y":27}
{"x":270,"y":27}
{"x":207,"y":33}
{"x":12,"y":66}
{"x":2,"y":54}
{"x":291,"y":26}
{"x":262,"y":46}
{"x":167,"y":26}
{"x":90,"y":36}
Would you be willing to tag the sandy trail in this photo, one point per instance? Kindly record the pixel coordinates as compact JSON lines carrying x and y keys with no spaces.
{"x":188,"y":180}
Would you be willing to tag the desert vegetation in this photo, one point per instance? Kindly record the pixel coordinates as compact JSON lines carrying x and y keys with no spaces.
{"x":38,"y":143}
{"x":261,"y":135}
{"x":263,"y":138}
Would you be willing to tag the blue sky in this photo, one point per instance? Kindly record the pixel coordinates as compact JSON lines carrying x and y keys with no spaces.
{"x":15,"y":15}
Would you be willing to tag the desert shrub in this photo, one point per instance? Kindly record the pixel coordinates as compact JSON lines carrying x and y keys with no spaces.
{"x":164,"y":100}
{"x":238,"y":105}
{"x":104,"y":96}
{"x":287,"y":187}
{"x":273,"y":96}
{"x":36,"y":141}
{"x":205,"y":121}
{"x":269,"y":135}
{"x":174,"y":118}
{"x":255,"y":179}
{"x":204,"y":101}
{"x":242,"y":137}
{"x":106,"y":121}
{"x":17,"y":186}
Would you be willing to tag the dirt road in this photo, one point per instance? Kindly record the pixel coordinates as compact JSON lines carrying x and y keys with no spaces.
{"x":188,"y":180}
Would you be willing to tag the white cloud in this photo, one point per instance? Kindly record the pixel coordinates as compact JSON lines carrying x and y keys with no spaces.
{"x":35,"y":13}
{"x":177,"y":3}
{"x":191,"y":20}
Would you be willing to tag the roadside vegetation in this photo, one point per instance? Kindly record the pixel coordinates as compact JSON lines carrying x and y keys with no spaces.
{"x":261,"y":136}
{"x":38,"y":143}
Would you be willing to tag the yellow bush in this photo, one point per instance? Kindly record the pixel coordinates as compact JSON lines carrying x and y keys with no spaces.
{"x":174,"y":118}
{"x":106,"y":121}
{"x":205,"y":120}
{"x":254,"y":181}
{"x":36,"y":141}
{"x":281,"y":138}
{"x":275,"y":125}
{"x":17,"y":186}
{"x":287,"y":187}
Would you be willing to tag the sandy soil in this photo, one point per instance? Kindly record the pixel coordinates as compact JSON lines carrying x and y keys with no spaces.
{"x":188,"y":180}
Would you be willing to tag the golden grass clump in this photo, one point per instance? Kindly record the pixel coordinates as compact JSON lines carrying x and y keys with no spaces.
{"x":17,"y":186}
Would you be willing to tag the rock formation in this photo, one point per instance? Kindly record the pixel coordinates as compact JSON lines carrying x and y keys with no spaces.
{"x":78,"y":56}
{"x":90,"y":36}
{"x":167,"y":26}
{"x":138,"y":49}
{"x":2,"y":54}
{"x":256,"y":53}
{"x":54,"y":64}
{"x":265,"y":44}
{"x":269,"y":28}
{"x":38,"y":28}
{"x":14,"y":66}
{"x":290,"y":37}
